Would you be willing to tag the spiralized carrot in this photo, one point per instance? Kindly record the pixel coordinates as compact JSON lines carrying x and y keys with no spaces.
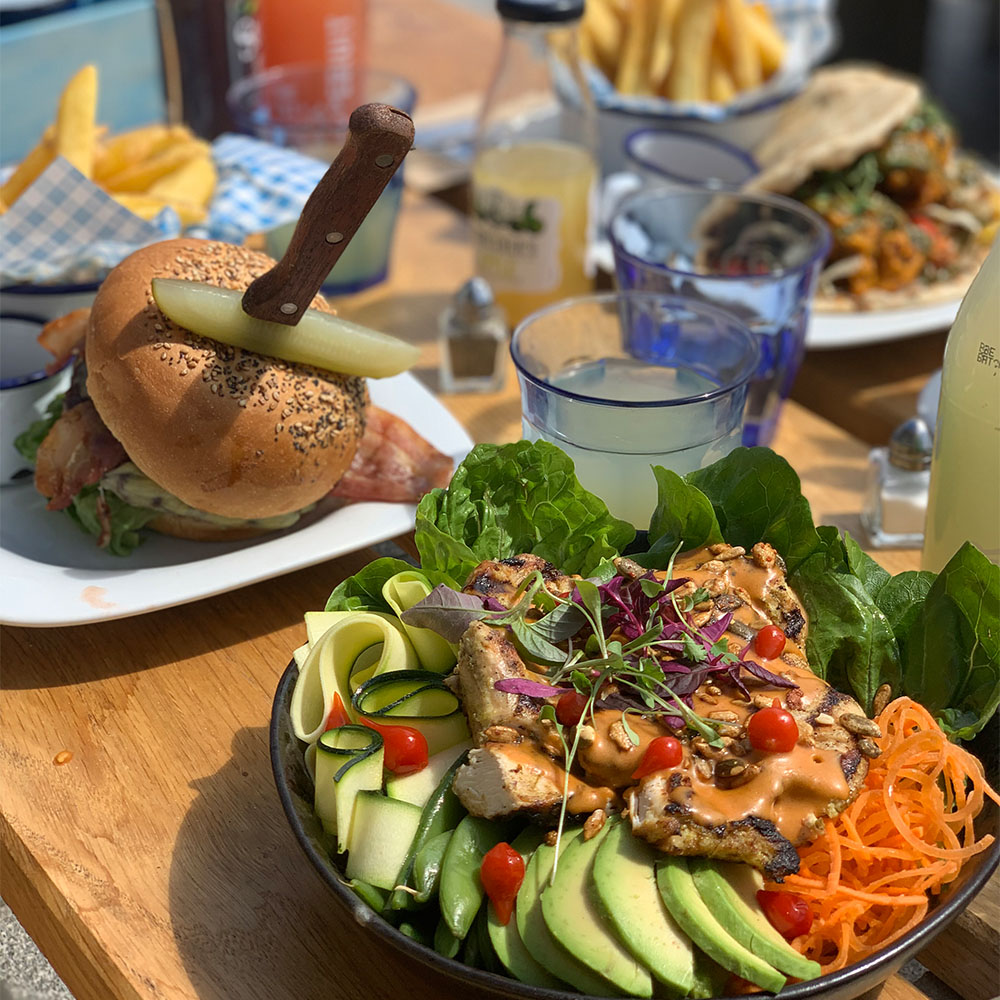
{"x":870,"y":877}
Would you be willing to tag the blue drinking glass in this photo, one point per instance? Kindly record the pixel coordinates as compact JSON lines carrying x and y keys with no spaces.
{"x":756,"y":256}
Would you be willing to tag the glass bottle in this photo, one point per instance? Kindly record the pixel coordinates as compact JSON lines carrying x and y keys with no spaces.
{"x":964,"y":500}
{"x":896,"y":500}
{"x":534,"y":170}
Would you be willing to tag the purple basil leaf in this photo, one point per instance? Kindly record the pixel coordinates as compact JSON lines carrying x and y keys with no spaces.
{"x":714,"y":631}
{"x":533,"y":689}
{"x":763,"y":674}
{"x":447,"y":612}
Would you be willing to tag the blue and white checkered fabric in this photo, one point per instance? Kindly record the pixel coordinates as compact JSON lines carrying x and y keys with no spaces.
{"x":260,"y":186}
{"x":808,"y":27}
{"x":65,"y":229}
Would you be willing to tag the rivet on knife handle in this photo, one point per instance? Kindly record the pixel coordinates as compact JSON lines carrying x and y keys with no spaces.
{"x":378,"y":138}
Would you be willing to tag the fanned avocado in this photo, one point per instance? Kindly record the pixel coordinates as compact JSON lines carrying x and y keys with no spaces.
{"x":730,"y":891}
{"x":626,"y":888}
{"x":676,"y":885}
{"x":574,"y":916}
{"x":537,"y":937}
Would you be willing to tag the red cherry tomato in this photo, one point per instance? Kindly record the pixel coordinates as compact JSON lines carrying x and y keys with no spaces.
{"x":770,"y":642}
{"x":662,"y":753}
{"x":405,"y":747}
{"x":570,"y":707}
{"x":773,"y":730}
{"x":789,"y":914}
{"x":338,"y":715}
{"x":502,"y":873}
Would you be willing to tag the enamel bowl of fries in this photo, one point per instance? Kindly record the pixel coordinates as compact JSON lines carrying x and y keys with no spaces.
{"x":83,"y":197}
{"x":719,"y":67}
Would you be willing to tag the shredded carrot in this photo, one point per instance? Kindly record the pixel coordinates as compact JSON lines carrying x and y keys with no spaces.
{"x":870,"y":876}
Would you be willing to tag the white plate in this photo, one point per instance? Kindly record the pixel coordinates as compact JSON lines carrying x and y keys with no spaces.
{"x":828,"y":331}
{"x":54,"y":574}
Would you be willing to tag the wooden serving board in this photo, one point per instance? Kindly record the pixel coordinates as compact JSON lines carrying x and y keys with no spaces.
{"x":156,"y":863}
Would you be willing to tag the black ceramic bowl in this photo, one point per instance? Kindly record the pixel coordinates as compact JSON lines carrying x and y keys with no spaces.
{"x":296,"y":792}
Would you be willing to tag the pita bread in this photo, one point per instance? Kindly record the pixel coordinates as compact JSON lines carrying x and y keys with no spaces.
{"x":842,"y":112}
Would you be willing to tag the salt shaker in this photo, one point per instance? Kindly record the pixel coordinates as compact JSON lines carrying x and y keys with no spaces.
{"x":899,"y":478}
{"x":473,"y":340}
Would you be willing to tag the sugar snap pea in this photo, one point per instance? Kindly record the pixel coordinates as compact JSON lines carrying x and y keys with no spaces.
{"x":460,"y":891}
{"x":427,"y":866}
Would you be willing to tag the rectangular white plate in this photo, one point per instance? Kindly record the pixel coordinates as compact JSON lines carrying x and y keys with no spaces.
{"x":53,"y":573}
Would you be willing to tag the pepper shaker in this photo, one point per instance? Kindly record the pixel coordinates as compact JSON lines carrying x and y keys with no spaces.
{"x":473,"y":340}
{"x":898,"y":482}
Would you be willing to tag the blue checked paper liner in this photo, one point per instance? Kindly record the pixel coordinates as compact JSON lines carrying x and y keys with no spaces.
{"x":807,"y":25}
{"x":65,"y":230}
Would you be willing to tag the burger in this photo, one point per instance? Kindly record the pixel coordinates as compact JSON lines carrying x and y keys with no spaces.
{"x":164,"y":429}
{"x":911,"y":220}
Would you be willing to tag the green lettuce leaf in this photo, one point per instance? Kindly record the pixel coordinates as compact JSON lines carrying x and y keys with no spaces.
{"x":683,"y":516}
{"x":513,"y":498}
{"x":126,"y":520}
{"x":28,"y":440}
{"x":952,"y":663}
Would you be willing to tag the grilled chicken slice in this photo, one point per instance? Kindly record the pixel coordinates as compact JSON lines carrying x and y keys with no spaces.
{"x":500,"y":578}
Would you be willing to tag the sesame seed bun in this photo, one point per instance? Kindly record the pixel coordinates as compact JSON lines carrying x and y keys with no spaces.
{"x":227,"y":431}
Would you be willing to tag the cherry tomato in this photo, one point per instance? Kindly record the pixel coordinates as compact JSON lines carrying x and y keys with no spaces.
{"x":338,"y":715}
{"x":405,"y":747}
{"x":570,"y":707}
{"x":662,"y":753}
{"x":789,"y":914}
{"x":770,"y":642}
{"x":773,"y":730}
{"x":502,"y":873}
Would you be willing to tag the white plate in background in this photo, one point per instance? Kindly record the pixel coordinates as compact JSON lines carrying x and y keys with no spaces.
{"x":54,"y":574}
{"x":829,"y":331}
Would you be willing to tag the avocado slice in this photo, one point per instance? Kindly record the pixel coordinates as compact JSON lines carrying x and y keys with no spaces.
{"x":537,"y":937}
{"x":626,"y":890}
{"x":573,"y":914}
{"x":507,"y":943}
{"x":730,"y":891}
{"x":676,"y":885}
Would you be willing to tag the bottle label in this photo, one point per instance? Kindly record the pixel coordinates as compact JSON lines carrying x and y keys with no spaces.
{"x":517,"y":241}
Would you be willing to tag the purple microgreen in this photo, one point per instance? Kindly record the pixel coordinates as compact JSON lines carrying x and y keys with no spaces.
{"x":447,"y":612}
{"x":523,"y":685}
{"x":762,"y":673}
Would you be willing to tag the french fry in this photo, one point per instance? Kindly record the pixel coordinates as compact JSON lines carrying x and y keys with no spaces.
{"x":28,"y":170}
{"x":736,"y":37}
{"x":132,"y":147}
{"x":633,"y":68}
{"x":769,"y":41}
{"x":191,"y":183}
{"x":692,"y":39}
{"x":603,"y":28}
{"x":721,"y":88}
{"x":147,"y":207}
{"x":140,"y":176}
{"x":76,"y":133}
{"x":661,"y":51}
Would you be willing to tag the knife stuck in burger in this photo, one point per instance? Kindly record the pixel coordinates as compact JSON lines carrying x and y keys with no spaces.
{"x":215,"y":396}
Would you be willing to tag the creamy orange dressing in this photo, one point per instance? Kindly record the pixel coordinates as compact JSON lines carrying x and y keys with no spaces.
{"x":789,"y":789}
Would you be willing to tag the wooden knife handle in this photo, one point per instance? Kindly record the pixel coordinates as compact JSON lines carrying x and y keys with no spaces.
{"x":378,"y":138}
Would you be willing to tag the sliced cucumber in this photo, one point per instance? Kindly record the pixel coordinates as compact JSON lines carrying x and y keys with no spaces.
{"x":381,"y":834}
{"x":401,"y":592}
{"x":320,"y":339}
{"x":348,"y":760}
{"x":419,"y":786}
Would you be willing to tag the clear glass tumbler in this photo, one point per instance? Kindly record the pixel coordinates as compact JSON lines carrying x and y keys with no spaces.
{"x":622,"y":381}
{"x":757,"y":256}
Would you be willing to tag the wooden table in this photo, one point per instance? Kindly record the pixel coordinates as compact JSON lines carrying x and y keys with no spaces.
{"x":157,"y":863}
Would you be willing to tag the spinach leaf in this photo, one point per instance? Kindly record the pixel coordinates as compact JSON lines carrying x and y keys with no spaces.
{"x":683,"y":515}
{"x":363,"y":591}
{"x":850,"y":642}
{"x":507,"y":499}
{"x":758,"y":497}
{"x":952,"y":660}
{"x":901,"y":600}
{"x":873,"y":576}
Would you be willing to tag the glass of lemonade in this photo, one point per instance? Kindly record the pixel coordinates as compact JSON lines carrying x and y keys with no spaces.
{"x":622,"y":381}
{"x":757,"y":256}
{"x":304,"y":107}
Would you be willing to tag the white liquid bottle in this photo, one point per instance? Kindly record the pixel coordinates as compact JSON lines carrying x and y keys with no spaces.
{"x":964,"y":500}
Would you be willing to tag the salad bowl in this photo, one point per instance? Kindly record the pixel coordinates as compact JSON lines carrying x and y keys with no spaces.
{"x":763,"y":481}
